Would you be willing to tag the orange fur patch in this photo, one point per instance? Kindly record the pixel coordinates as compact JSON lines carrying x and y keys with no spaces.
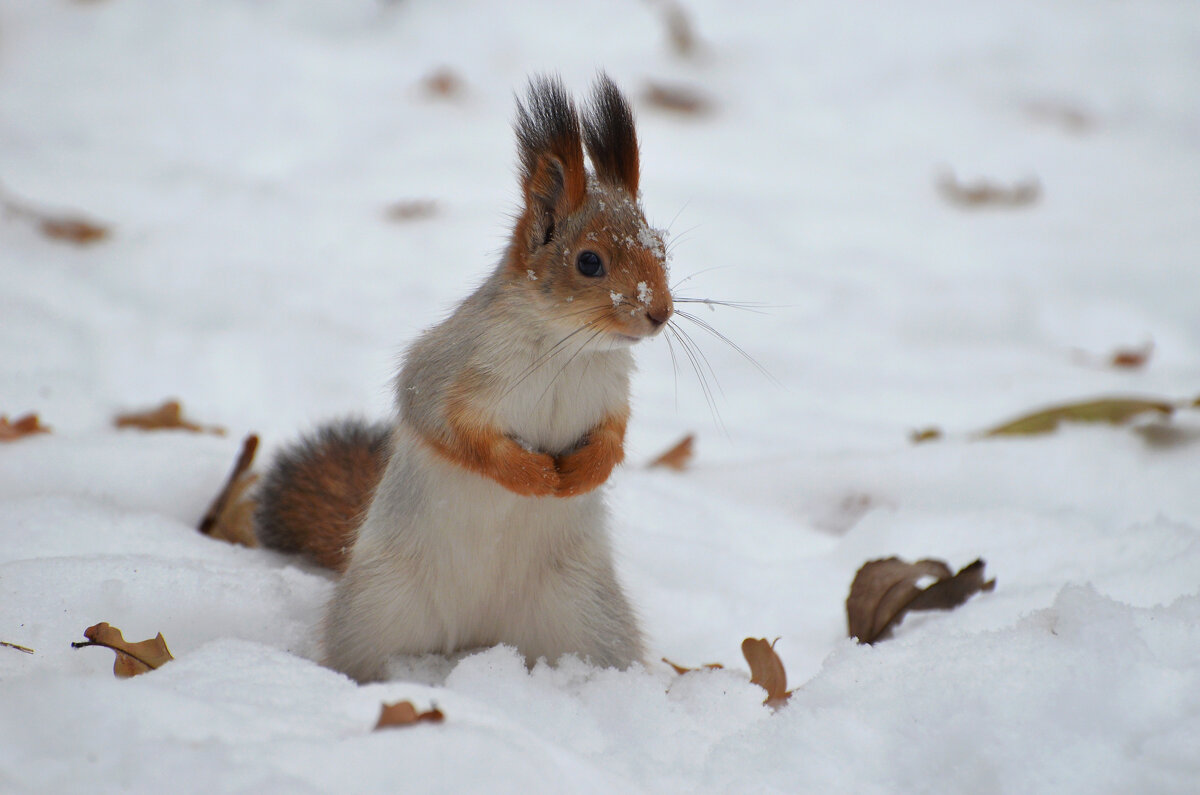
{"x":589,"y":467}
{"x":544,"y":180}
{"x":482,"y":449}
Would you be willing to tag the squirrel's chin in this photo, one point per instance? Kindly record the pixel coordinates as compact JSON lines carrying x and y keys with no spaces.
{"x":623,"y":340}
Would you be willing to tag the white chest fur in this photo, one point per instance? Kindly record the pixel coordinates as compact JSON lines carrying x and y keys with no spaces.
{"x":449,"y":560}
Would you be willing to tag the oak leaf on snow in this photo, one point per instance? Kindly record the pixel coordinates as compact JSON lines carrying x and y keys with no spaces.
{"x":403,"y":713}
{"x":25,"y":425}
{"x":168,"y":416}
{"x":132,"y":658}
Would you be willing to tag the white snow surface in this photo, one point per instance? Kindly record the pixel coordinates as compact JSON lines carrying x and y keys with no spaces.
{"x":245,"y":152}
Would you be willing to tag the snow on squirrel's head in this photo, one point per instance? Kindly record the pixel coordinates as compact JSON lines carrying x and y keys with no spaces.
{"x":581,"y":246}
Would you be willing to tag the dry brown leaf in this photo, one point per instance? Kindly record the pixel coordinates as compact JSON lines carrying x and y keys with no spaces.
{"x":411,"y":210}
{"x":680,"y":31}
{"x":23,"y":426}
{"x":73,"y":230}
{"x":1131,"y":358}
{"x":1068,"y":117}
{"x":68,"y":228}
{"x":677,"y":99}
{"x":925,"y":435}
{"x":949,"y":594}
{"x":1166,"y":435}
{"x":766,"y":670}
{"x":403,"y":713}
{"x":1115,"y":411}
{"x":443,"y":82}
{"x":230,"y":517}
{"x":168,"y":416}
{"x":16,"y":646}
{"x":982,"y":193}
{"x":884,"y":590}
{"x":132,"y":658}
{"x":681,"y":670}
{"x":678,"y":457}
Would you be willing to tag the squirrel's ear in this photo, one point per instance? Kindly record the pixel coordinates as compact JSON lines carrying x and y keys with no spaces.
{"x":610,"y":136}
{"x":552,"y":171}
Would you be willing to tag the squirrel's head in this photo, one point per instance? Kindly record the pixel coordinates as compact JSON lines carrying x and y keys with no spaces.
{"x":581,"y":246}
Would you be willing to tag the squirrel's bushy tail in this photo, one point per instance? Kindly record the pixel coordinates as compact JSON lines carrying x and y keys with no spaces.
{"x":317,"y":491}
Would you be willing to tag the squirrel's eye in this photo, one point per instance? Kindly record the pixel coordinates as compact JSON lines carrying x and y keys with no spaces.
{"x":589,"y":264}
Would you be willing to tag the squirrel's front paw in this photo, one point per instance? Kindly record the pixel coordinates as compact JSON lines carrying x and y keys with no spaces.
{"x":527,"y":473}
{"x":587,"y":468}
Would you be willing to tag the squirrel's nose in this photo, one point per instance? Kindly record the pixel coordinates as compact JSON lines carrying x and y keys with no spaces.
{"x":659,"y":315}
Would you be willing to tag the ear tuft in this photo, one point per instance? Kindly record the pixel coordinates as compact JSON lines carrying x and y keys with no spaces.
{"x":610,"y":136}
{"x":550,"y":148}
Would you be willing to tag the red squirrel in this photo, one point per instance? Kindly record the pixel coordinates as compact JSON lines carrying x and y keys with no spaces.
{"x":473,"y":518}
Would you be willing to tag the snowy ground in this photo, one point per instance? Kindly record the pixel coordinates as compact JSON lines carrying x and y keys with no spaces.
{"x":244,"y":154}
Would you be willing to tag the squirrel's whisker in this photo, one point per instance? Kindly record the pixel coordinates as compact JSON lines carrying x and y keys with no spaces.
{"x":746,"y":306}
{"x":678,"y":213}
{"x":701,"y":357}
{"x":705,"y":388}
{"x":567,"y":363}
{"x":709,"y":328}
{"x":674,"y":365}
{"x":691,"y":276}
{"x":555,"y":349}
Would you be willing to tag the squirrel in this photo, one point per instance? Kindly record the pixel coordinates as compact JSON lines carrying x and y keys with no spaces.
{"x":474,"y":518}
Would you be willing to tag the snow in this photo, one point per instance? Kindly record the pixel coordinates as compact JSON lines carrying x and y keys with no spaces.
{"x":644,"y":293}
{"x":245,"y":154}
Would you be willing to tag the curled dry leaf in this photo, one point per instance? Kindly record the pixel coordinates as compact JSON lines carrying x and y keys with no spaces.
{"x":230,"y":517}
{"x":1125,"y":358}
{"x":766,"y":670}
{"x":67,"y":228}
{"x":73,"y":230}
{"x":411,"y":210}
{"x":26,"y":425}
{"x":982,"y":193}
{"x":1070,"y":118}
{"x":1166,"y":435}
{"x":681,"y":670}
{"x":925,"y":434}
{"x":1115,"y":411}
{"x":677,"y":99}
{"x":1131,"y":358}
{"x":680,"y":31}
{"x":678,"y":457}
{"x":168,"y":416}
{"x":884,"y":590}
{"x":132,"y":658}
{"x":403,"y":713}
{"x":443,"y":82}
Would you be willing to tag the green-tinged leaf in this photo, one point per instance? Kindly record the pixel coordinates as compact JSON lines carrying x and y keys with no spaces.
{"x":1115,"y":411}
